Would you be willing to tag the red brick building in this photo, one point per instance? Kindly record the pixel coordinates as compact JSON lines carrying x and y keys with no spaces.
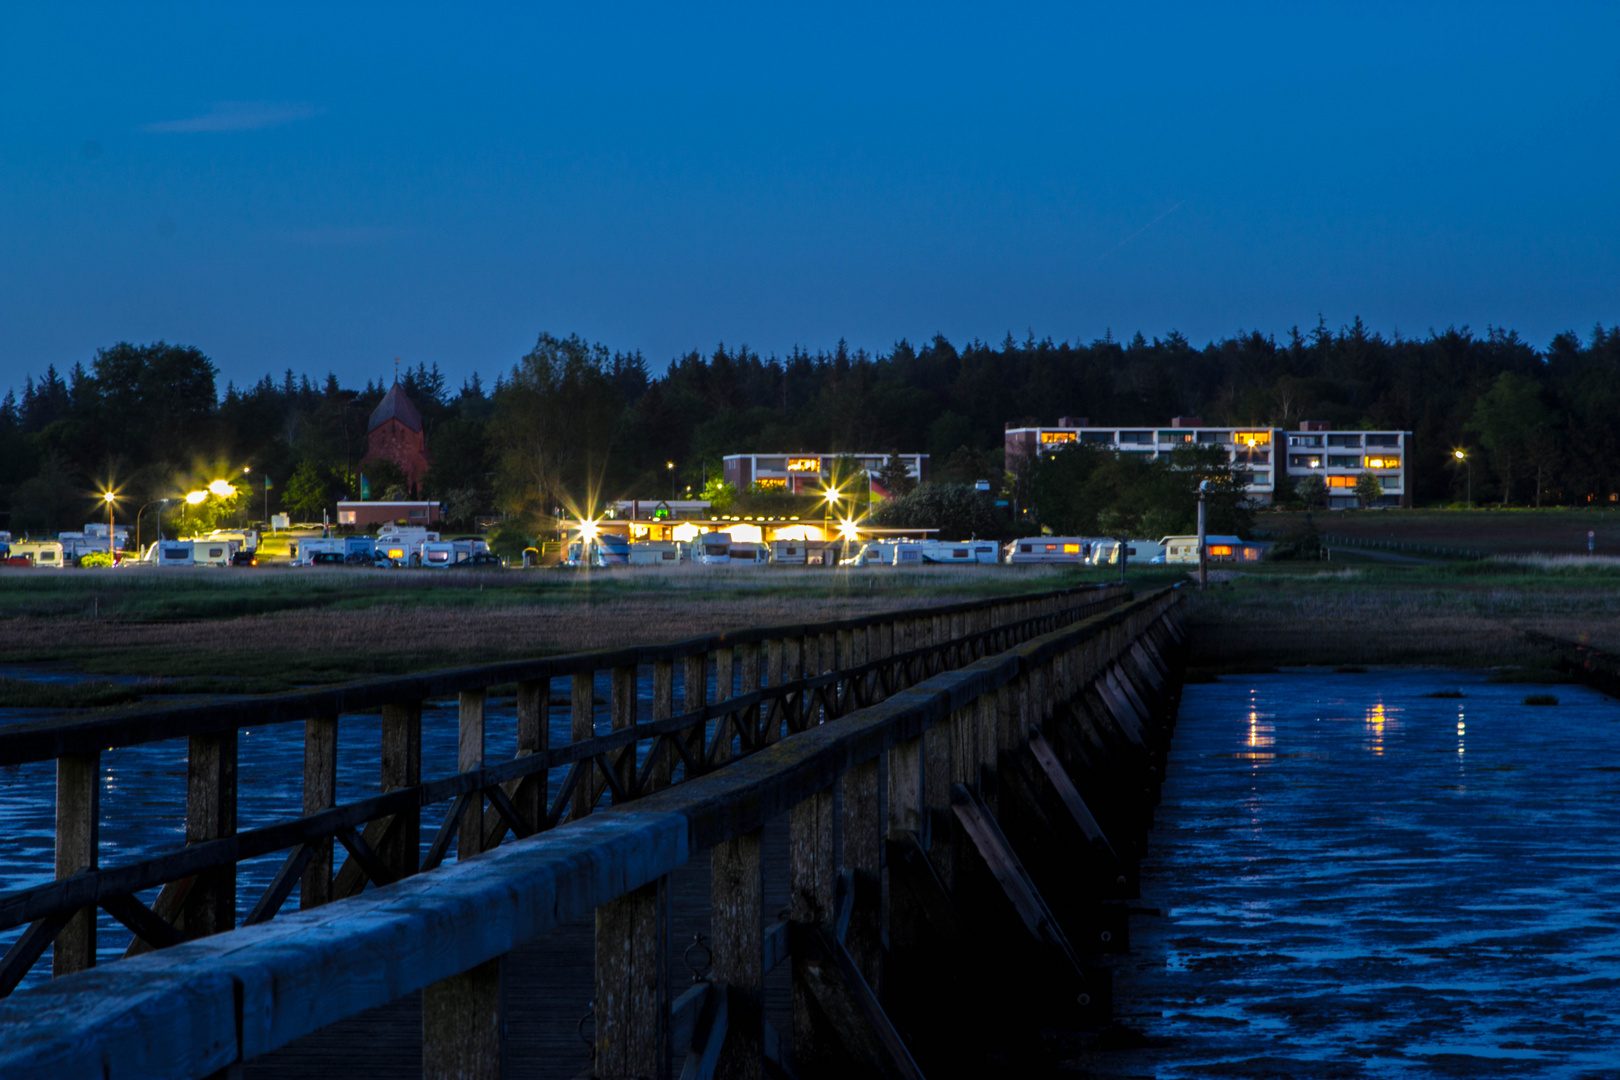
{"x":395,"y":434}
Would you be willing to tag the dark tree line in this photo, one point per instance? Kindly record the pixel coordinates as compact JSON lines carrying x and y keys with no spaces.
{"x":572,"y":422}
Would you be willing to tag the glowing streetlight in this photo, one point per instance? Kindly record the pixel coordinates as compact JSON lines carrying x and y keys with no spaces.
{"x":112,"y":546}
{"x":195,"y":498}
{"x":670,"y":466}
{"x":830,"y":497}
{"x":223,"y":488}
{"x":1462,"y":457}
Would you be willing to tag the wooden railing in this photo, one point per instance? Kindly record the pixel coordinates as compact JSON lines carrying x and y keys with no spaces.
{"x":769,"y":683}
{"x":902,"y":895}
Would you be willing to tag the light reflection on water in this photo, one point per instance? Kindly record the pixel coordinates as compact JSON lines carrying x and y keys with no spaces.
{"x":1347,"y":905}
{"x":143,"y":795}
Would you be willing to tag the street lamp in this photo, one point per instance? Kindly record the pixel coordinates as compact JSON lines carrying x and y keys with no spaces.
{"x":112,"y":544}
{"x":138,"y":513}
{"x":830,"y":497}
{"x":670,"y":467}
{"x":1462,"y":457}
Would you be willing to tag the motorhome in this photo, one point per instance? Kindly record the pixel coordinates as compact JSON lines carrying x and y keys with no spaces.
{"x":719,"y":549}
{"x":246,"y":539}
{"x":1106,"y":552}
{"x":43,"y":553}
{"x":1184,"y":549}
{"x":960,"y":553}
{"x":658,"y":553}
{"x":1051,"y":549}
{"x":318,"y":545}
{"x":213,"y":552}
{"x":403,"y":546}
{"x":443,"y":554}
{"x":790,"y":552}
{"x":598,"y":550}
{"x":94,"y":538}
{"x":886,"y":553}
{"x":171,"y":553}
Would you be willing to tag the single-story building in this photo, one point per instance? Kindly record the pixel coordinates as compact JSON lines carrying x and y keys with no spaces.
{"x":365,"y":514}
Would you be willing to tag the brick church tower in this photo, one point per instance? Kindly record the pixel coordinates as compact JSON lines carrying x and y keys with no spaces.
{"x":395,"y":434}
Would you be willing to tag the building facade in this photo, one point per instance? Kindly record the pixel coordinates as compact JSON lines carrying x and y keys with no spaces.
{"x":1261,"y":454}
{"x":394,"y":433}
{"x":806,"y":473}
{"x":364,"y":515}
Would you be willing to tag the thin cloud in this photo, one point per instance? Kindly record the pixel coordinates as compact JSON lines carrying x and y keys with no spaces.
{"x":239,"y":116}
{"x":1142,"y":230}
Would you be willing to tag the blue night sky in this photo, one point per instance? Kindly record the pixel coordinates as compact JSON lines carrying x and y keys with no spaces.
{"x":326,"y":191}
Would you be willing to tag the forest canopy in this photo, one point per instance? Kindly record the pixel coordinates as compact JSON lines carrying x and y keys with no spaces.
{"x":572,"y":423}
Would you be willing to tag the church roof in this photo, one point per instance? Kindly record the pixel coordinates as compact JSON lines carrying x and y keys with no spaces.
{"x":395,"y":406}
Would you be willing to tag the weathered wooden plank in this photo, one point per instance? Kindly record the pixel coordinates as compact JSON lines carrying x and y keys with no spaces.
{"x":401,"y":767}
{"x":737,"y":930}
{"x":78,"y":841}
{"x":814,"y":873}
{"x":320,"y":793}
{"x":210,"y":815}
{"x":582,"y":707}
{"x":632,"y":983}
{"x":862,"y":832}
{"x":464,"y":1025}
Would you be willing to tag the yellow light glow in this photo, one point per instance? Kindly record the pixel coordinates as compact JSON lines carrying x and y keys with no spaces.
{"x":109,"y":496}
{"x":848,"y":530}
{"x":222,"y":488}
{"x":806,"y":464}
{"x":1458,"y":454}
{"x":587,"y":530}
{"x":832,"y":495}
{"x":1060,"y":436}
{"x":685,"y":532}
{"x":195,"y":498}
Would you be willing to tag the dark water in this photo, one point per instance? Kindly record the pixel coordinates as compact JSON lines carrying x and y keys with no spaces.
{"x":1358,"y":880}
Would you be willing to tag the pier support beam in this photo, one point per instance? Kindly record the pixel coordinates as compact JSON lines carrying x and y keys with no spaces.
{"x":737,"y":893}
{"x":78,"y":832}
{"x":632,"y":983}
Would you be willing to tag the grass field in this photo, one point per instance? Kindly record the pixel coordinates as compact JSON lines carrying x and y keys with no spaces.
{"x":218,"y":630}
{"x":1495,"y":531}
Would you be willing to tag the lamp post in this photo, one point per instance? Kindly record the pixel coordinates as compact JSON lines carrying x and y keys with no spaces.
{"x":1464,"y":458}
{"x":1203,"y":556}
{"x":112,"y":543}
{"x":138,"y":513}
{"x":669,"y":466}
{"x":829,"y":498}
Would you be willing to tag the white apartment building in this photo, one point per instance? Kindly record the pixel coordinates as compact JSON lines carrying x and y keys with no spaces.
{"x":806,"y":473}
{"x":1261,"y":454}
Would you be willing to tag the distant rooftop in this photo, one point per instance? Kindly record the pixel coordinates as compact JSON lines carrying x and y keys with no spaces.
{"x":395,"y":405}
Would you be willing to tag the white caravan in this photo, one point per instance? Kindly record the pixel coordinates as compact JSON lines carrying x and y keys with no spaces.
{"x":959,"y":553}
{"x":44,"y":553}
{"x":658,"y":553}
{"x":1052,"y":549}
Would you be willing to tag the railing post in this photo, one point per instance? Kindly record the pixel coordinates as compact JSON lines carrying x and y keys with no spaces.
{"x":320,"y":793}
{"x":663,"y":707}
{"x":792,"y":671}
{"x":695,"y":695}
{"x":470,"y":756}
{"x":750,"y":682}
{"x":936,"y":799}
{"x":463,"y":1017}
{"x":814,"y":877}
{"x":582,"y":706}
{"x":725,"y":667}
{"x":632,"y":983}
{"x":211,"y":815}
{"x":78,"y":832}
{"x":622,"y":711}
{"x":401,"y":849}
{"x":531,"y":795}
{"x":737,"y":930}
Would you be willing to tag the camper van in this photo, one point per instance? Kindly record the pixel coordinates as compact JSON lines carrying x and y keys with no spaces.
{"x":1051,"y":549}
{"x":719,"y":549}
{"x":172,"y":553}
{"x":1184,"y":549}
{"x":658,"y":553}
{"x":960,"y":553}
{"x":598,"y":550}
{"x":402,"y":546}
{"x":47,"y":553}
{"x":1106,"y":552}
{"x":246,"y":539}
{"x":443,"y":554}
{"x":790,"y":552}
{"x":213,"y":552}
{"x":322,"y":551}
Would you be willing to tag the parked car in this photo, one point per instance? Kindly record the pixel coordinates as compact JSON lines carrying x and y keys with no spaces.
{"x":328,"y":558}
{"x":244,"y":558}
{"x":481,"y":561}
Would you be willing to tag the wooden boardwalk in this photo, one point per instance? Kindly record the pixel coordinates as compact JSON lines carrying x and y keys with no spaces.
{"x":543,"y":1038}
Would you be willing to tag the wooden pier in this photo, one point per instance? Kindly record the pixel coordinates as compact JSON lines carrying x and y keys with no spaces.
{"x":884,"y":845}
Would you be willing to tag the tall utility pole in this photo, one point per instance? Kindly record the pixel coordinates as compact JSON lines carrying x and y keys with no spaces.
{"x":1466,"y":460}
{"x":1203,"y":556}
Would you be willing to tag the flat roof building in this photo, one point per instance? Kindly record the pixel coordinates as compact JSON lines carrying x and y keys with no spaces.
{"x":805,"y":473}
{"x":373,"y":512}
{"x":1260,"y":454}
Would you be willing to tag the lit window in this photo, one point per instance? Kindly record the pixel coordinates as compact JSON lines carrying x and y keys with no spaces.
{"x":1252,"y":438}
{"x":804,"y":464}
{"x":1071,"y":549}
{"x":1341,"y":481}
{"x":1059,"y":436}
{"x":1220,"y":549}
{"x":771,"y":482}
{"x":1385,"y":462}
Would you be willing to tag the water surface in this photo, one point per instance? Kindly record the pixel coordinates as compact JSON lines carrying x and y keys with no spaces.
{"x":1359,"y":880}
